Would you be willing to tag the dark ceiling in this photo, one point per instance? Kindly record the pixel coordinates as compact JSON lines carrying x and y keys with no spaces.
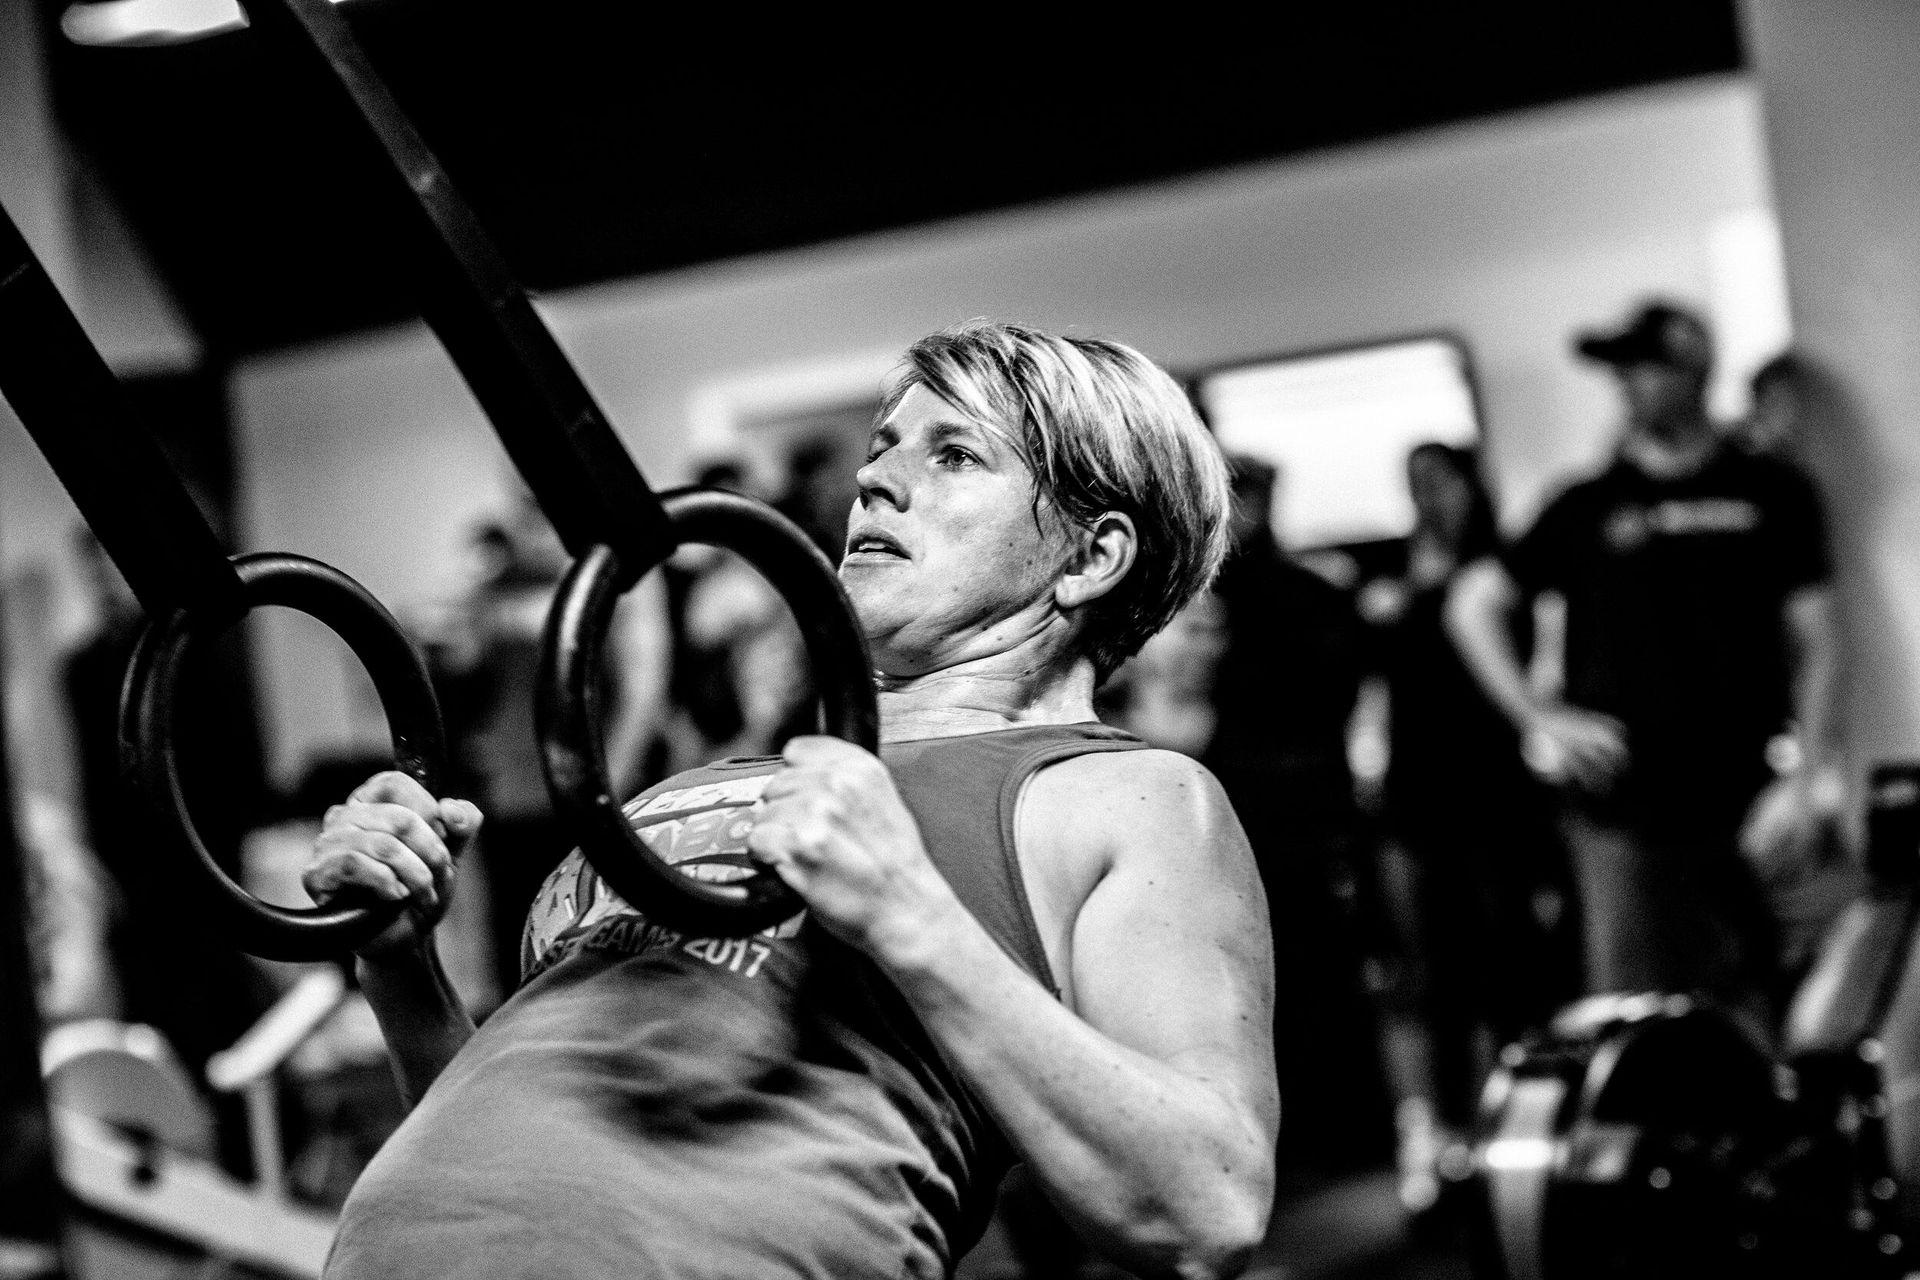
{"x":598,"y":140}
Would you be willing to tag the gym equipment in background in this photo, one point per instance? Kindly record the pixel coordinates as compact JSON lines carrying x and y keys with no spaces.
{"x":136,"y":1140}
{"x":581,"y":475}
{"x":1649,"y":1135}
{"x":76,"y":412}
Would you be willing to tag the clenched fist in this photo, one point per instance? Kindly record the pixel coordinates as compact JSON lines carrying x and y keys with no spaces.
{"x":832,"y":825}
{"x":395,"y":842}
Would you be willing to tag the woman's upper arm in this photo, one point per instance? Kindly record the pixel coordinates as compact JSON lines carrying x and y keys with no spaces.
{"x":1171,"y":954}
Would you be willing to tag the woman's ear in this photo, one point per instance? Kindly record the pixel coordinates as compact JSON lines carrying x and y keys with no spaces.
{"x":1105,"y":553}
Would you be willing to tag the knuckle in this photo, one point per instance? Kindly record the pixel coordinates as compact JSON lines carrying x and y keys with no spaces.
{"x":368,"y":864}
{"x":404,"y":822}
{"x":387,"y":785}
{"x":369,"y":789}
{"x":385,"y":847}
{"x":371,"y":817}
{"x":330,"y":874}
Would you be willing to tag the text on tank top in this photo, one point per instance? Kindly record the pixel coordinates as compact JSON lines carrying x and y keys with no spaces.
{"x":962,"y":791}
{"x":788,"y":1024}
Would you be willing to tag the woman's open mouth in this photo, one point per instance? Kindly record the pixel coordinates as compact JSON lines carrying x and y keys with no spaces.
{"x":871,"y":545}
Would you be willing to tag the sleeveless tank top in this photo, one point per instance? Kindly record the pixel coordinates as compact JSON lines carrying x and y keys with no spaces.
{"x":652,"y":1105}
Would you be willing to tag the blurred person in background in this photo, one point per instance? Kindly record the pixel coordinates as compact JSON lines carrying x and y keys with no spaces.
{"x":1780,"y":398}
{"x":759,"y":690}
{"x":1471,"y":871}
{"x":71,"y":908}
{"x":819,"y":491}
{"x":701,"y":705}
{"x":1699,"y":628}
{"x":181,"y":980}
{"x":1165,"y":693}
{"x":1791,"y":402}
{"x":484,"y":655}
{"x":1286,"y":685}
{"x":93,"y":672}
{"x":741,"y":685}
{"x":486,"y":664}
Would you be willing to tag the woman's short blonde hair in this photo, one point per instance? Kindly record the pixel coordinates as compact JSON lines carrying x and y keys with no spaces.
{"x":1103,"y":429}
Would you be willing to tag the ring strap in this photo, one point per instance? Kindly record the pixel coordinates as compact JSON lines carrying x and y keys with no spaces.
{"x":567,"y":713}
{"x":150,"y":704}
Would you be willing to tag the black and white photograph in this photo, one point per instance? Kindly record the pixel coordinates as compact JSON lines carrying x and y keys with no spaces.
{"x":646,"y":644}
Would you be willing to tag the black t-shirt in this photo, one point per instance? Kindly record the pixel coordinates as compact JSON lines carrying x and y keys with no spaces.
{"x":1674,"y":589}
{"x":1286,"y":684}
{"x":1451,"y":750}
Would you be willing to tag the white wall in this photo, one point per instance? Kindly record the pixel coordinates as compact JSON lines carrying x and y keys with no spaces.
{"x":86,"y":248}
{"x":1511,"y":233}
{"x":1842,"y":98}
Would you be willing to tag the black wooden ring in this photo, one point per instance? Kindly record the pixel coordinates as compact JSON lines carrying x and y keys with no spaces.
{"x":146,"y":740}
{"x":567,"y":712}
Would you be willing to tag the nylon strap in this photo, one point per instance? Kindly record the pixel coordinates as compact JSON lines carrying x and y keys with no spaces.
{"x":76,"y":411}
{"x":557,"y":436}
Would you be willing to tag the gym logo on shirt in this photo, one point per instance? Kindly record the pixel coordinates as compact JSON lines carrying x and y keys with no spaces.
{"x":1628,"y":528}
{"x":702,"y":832}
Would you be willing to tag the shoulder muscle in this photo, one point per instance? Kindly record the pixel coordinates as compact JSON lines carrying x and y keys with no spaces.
{"x":1127,"y":844}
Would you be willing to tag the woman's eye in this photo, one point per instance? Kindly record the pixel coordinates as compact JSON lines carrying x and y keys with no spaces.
{"x":953,"y":455}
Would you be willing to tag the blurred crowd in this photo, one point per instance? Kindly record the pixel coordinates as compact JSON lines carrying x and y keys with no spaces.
{"x":1484,"y":770}
{"x":1488,"y":771}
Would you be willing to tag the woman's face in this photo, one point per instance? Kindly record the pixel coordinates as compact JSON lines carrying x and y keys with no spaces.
{"x":945,"y":560}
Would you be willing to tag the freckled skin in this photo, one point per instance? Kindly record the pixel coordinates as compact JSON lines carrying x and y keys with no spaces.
{"x":1141,"y":1092}
{"x":959,"y":498}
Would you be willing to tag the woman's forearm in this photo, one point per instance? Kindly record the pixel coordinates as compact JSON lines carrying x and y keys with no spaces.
{"x":421,"y":1017}
{"x":1169,"y":1173}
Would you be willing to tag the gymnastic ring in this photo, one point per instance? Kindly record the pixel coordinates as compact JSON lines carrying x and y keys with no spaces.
{"x":148,"y":755}
{"x":566,"y":712}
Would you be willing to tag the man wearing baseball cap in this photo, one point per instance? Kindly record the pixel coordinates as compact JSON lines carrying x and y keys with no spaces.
{"x":1699,"y":633}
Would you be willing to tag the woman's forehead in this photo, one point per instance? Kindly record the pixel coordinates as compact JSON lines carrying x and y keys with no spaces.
{"x":923,"y":410}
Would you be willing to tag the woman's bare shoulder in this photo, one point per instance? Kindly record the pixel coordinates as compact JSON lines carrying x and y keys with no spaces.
{"x":1105,"y":803}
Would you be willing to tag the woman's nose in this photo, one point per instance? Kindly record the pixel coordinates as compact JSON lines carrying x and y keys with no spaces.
{"x":878,"y":479}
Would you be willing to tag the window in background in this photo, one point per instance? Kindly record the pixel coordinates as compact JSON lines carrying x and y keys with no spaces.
{"x":1338,"y":424}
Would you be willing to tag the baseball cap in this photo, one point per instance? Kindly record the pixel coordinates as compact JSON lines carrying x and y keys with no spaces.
{"x":1658,"y":333}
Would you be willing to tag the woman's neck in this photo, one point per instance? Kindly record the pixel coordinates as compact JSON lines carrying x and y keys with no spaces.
{"x":984,"y":695}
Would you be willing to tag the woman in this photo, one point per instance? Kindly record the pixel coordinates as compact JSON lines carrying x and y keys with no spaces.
{"x":1471,"y":872}
{"x":1027,"y":936}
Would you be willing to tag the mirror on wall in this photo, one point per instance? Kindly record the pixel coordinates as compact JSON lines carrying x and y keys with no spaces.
{"x":1337,"y":424}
